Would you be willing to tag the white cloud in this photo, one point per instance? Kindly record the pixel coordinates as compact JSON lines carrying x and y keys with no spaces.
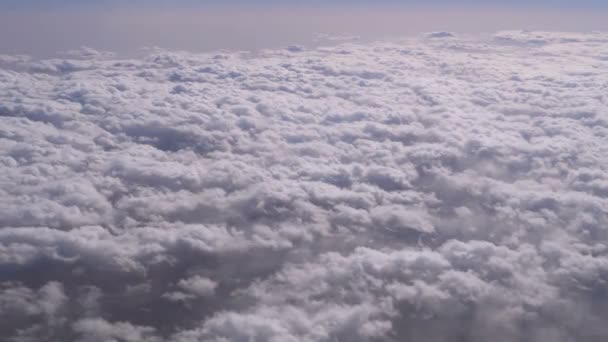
{"x":198,"y":286}
{"x":424,"y":190}
{"x":101,"y":330}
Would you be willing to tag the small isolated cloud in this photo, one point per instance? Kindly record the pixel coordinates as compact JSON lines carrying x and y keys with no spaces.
{"x":421,"y":190}
{"x":441,"y":34}
{"x":295,"y":48}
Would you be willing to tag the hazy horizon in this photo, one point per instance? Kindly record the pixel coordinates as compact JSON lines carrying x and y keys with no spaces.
{"x":45,"y":32}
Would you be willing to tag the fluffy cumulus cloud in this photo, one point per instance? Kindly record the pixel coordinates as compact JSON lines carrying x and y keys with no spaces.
{"x":441,"y":188}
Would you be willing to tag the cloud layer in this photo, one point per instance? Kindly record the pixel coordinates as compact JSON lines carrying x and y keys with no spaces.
{"x":436,"y":189}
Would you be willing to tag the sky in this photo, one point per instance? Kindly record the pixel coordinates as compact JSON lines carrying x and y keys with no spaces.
{"x":46,"y":28}
{"x":372,"y":3}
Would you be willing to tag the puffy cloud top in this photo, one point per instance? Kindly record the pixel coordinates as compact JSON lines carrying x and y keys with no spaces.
{"x":434,"y":189}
